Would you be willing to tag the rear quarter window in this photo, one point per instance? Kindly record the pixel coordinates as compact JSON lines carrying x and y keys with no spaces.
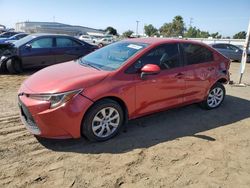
{"x":195,"y":53}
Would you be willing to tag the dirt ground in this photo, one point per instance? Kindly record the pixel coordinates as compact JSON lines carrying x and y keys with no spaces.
{"x":188,"y":147}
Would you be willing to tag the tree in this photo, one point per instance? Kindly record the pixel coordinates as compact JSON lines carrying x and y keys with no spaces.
{"x":166,"y":30}
{"x":192,"y":32}
{"x":127,"y":33}
{"x":173,"y":29}
{"x":110,"y":30}
{"x":203,"y":34}
{"x":216,"y":35}
{"x":240,"y":35}
{"x":150,"y":30}
{"x":178,"y":26}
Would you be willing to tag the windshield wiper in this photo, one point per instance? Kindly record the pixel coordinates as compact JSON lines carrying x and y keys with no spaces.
{"x":89,"y":65}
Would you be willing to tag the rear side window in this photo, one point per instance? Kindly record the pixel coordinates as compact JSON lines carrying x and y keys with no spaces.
{"x":66,"y":42}
{"x":195,"y":54}
{"x":221,"y":46}
{"x":42,"y":43}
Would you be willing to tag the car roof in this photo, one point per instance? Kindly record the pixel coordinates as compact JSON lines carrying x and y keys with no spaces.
{"x":48,"y":34}
{"x":223,"y":43}
{"x":157,"y":41}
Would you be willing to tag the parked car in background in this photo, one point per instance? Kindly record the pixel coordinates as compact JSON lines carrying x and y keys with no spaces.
{"x":12,"y":38}
{"x":95,"y":95}
{"x":8,"y":34}
{"x":230,"y":51}
{"x":40,"y":50}
{"x":103,"y":42}
{"x":87,"y":38}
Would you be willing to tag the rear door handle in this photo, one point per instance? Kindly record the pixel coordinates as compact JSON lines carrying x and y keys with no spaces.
{"x":179,"y":75}
{"x":210,"y":68}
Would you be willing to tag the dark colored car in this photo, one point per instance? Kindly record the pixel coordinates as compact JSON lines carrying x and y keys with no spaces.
{"x":41,"y":50}
{"x":230,"y":51}
{"x":8,"y":34}
{"x":95,"y":95}
{"x":12,"y":38}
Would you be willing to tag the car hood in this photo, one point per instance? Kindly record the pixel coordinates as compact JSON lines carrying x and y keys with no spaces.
{"x":63,"y":77}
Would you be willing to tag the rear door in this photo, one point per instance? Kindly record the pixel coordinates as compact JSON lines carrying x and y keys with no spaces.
{"x":38,"y":53}
{"x":67,"y":49}
{"x":200,"y":69}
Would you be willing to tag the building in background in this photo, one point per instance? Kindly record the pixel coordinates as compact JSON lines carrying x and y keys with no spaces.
{"x":54,"y":27}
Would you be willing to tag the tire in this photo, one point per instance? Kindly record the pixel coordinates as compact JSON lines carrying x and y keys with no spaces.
{"x":103,"y":121}
{"x":215,"y":97}
{"x":14,"y":66}
{"x":3,"y":68}
{"x":100,"y":45}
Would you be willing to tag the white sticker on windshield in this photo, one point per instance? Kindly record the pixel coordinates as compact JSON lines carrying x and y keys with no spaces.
{"x":134,"y":46}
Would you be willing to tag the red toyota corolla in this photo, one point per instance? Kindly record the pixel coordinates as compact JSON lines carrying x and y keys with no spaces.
{"x":95,"y":95}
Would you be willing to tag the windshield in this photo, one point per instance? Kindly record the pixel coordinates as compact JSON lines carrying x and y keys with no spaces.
{"x":24,"y":40}
{"x":112,"y":56}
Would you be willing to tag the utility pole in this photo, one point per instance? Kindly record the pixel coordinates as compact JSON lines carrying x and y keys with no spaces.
{"x":244,"y":54}
{"x":190,"y":22}
{"x":137,"y":23}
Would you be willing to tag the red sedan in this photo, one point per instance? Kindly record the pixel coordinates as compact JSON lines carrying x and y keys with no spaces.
{"x":95,"y":95}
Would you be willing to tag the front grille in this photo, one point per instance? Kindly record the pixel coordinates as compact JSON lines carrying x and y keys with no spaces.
{"x":27,"y":118}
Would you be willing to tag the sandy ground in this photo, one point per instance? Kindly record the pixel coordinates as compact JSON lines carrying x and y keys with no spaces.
{"x":188,"y":147}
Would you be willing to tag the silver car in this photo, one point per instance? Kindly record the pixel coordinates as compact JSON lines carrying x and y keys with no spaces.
{"x":230,"y":51}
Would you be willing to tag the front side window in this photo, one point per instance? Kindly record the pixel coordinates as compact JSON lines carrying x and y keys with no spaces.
{"x":66,"y":42}
{"x":195,"y":54}
{"x":165,"y":56}
{"x":42,"y":43}
{"x":112,"y":56}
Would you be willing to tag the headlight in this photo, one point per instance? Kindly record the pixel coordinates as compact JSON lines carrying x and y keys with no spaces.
{"x":56,"y":99}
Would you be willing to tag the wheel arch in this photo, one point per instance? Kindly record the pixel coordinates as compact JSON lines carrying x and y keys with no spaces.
{"x":114,"y":98}
{"x":222,"y":81}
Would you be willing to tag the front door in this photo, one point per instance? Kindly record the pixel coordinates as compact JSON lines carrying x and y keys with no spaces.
{"x":38,"y":53}
{"x":164,"y":90}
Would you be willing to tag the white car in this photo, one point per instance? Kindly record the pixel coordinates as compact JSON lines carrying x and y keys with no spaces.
{"x":87,"y":38}
{"x":104,"y":41}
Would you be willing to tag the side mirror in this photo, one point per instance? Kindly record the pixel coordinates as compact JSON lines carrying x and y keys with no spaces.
{"x":149,"y":69}
{"x":28,"y":46}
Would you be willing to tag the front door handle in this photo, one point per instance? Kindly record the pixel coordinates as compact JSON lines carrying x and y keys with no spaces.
{"x":179,"y":75}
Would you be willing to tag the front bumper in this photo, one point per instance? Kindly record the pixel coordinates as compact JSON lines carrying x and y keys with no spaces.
{"x":62,"y":122}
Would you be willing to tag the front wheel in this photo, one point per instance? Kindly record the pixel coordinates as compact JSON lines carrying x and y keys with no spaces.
{"x":103,"y":121}
{"x":215,"y":97}
{"x":14,"y":66}
{"x":3,"y":68}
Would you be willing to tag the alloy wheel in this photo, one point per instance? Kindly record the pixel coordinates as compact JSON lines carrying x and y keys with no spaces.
{"x":105,"y":122}
{"x":215,"y":97}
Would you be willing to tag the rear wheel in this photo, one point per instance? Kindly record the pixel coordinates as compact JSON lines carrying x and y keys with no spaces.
{"x":215,"y":97}
{"x":103,"y":121}
{"x":14,"y":66}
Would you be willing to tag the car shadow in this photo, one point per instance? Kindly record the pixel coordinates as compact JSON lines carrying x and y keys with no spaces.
{"x":161,"y":127}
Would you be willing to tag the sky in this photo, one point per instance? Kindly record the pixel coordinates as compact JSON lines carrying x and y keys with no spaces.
{"x":225,"y":16}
